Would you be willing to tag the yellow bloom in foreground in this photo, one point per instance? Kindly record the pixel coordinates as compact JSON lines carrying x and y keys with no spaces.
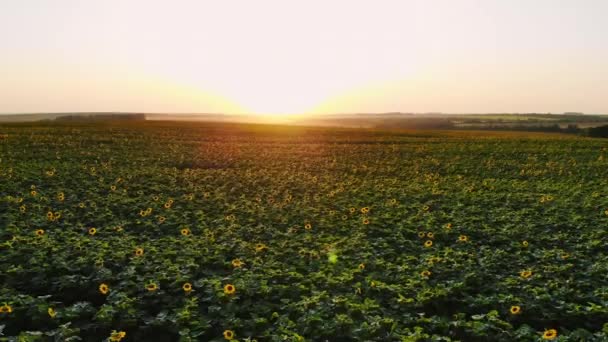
{"x":425,"y":273}
{"x":550,"y":334}
{"x":228,"y":334}
{"x":463,"y":238}
{"x":51,"y":312}
{"x":117,"y":335}
{"x":525,"y":274}
{"x":365,"y":221}
{"x":6,"y":308}
{"x":151,"y":287}
{"x":40,"y":232}
{"x":185,"y":231}
{"x":525,"y":243}
{"x":104,"y":288}
{"x":361,"y":266}
{"x":187,"y":287}
{"x":421,"y":234}
{"x":430,"y":235}
{"x":448,"y":226}
{"x":139,"y":251}
{"x":308,"y":226}
{"x":260,"y":247}
{"x":237,"y":263}
{"x":515,"y":310}
{"x":428,"y":243}
{"x":229,"y":289}
{"x":92,"y":231}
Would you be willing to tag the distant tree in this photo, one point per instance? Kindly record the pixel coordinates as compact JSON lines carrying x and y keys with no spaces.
{"x":598,"y":132}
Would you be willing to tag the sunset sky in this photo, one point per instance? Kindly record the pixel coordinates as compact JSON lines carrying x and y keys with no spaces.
{"x":311,"y":56}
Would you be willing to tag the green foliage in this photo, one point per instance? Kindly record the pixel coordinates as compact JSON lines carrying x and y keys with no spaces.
{"x":293,"y":234}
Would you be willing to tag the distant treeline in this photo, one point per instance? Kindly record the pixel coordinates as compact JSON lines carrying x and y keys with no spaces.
{"x":102,"y":117}
{"x":596,"y":132}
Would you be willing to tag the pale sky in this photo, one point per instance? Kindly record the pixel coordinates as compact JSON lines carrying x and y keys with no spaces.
{"x":312,"y":56}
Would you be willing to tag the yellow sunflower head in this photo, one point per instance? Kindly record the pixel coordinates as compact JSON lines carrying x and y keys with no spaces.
{"x":236,"y":263}
{"x":6,"y":308}
{"x":421,"y":234}
{"x":40,"y":232}
{"x":92,"y":231}
{"x":52,"y":313}
{"x":228,"y":334}
{"x":550,"y":334}
{"x":104,"y":289}
{"x":185,"y":231}
{"x":463,"y":238}
{"x":151,"y":287}
{"x":229,"y":289}
{"x":425,"y":274}
{"x":139,"y":251}
{"x":430,"y":235}
{"x":187,"y":287}
{"x":361,"y":266}
{"x":515,"y":310}
{"x":428,"y":243}
{"x":525,"y":274}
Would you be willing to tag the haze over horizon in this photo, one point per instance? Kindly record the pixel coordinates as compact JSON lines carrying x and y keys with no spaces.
{"x":273,"y":57}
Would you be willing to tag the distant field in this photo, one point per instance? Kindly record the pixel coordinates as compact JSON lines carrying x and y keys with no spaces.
{"x":209,"y":232}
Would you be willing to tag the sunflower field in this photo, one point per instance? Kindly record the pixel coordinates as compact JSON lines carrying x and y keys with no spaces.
{"x":159,"y":231}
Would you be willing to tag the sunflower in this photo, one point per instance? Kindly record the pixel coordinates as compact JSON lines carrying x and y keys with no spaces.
{"x":151,"y":287}
{"x":52,"y":313}
{"x":524,"y":243}
{"x":187,"y":287}
{"x":185,"y":231}
{"x":34,"y":193}
{"x":49,"y":215}
{"x":61,"y":196}
{"x":365,"y":221}
{"x":139,"y":251}
{"x":236,"y":263}
{"x":352,"y":210}
{"x":113,"y":188}
{"x":515,"y":310}
{"x":428,"y":243}
{"x":104,"y":289}
{"x":167,"y":205}
{"x":525,"y":274}
{"x":550,"y":334}
{"x":364,"y":210}
{"x":421,"y":234}
{"x":425,"y":273}
{"x":228,"y":334}
{"x":40,"y":232}
{"x":308,"y":226}
{"x":426,"y":208}
{"x":92,"y":231}
{"x":81,"y":205}
{"x":116,"y":336}
{"x":463,"y":238}
{"x":565,"y":256}
{"x":229,"y":289}
{"x":260,"y":247}
{"x":161,"y":219}
{"x":393,"y":200}
{"x":448,"y":226}
{"x":22,"y":208}
{"x":361,"y":266}
{"x":6,"y":308}
{"x":155,"y":198}
{"x":430,"y":235}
